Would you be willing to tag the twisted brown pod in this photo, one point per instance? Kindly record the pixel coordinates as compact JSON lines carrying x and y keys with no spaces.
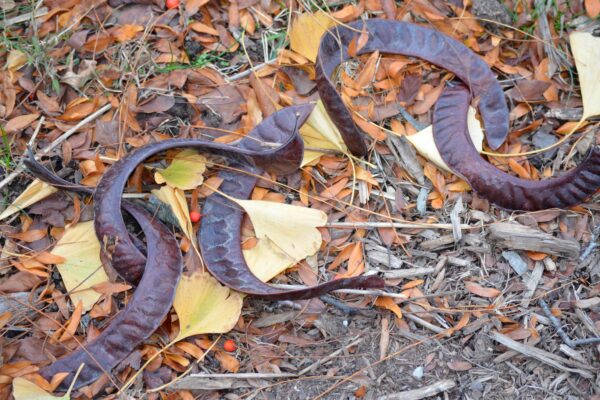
{"x":219,"y":236}
{"x":457,"y":150}
{"x":397,"y":37}
{"x":141,"y":316}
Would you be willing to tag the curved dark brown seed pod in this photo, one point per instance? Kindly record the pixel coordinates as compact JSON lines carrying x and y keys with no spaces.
{"x":457,"y":150}
{"x":397,"y":37}
{"x":142,"y":315}
{"x":221,"y":225}
{"x":220,"y":234}
{"x":270,"y":145}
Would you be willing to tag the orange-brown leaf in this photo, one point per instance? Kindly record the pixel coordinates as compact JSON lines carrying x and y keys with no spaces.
{"x":368,"y":72}
{"x":71,"y":327}
{"x":481,"y":291}
{"x":592,"y":7}
{"x":78,"y":111}
{"x":29,"y":236}
{"x":228,"y":362}
{"x":19,"y":123}
{"x":388,"y":304}
{"x":125,"y":33}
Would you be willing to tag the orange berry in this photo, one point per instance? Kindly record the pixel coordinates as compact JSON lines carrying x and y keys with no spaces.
{"x":230,"y":345}
{"x":172,"y":4}
{"x":195,"y":216}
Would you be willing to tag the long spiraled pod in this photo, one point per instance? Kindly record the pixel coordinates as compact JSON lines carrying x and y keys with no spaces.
{"x":509,"y":192}
{"x":220,"y":235}
{"x":396,"y":37}
{"x":267,"y":145}
{"x":141,"y":316}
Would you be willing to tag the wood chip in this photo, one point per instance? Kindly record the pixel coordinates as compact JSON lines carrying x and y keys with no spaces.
{"x":520,"y":237}
{"x":426,"y":391}
{"x":545,"y":357}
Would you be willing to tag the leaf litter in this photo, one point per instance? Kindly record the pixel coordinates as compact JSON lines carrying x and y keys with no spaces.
{"x":475,"y":297}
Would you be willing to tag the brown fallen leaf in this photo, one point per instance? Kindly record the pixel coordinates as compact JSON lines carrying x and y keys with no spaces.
{"x":481,"y":291}
{"x":157,"y":104}
{"x":459,"y":365}
{"x":588,"y":303}
{"x":388,"y":304}
{"x":592,"y":8}
{"x":19,"y":123}
{"x":228,"y":362}
{"x":528,"y":91}
{"x":125,"y":33}
{"x":49,"y":104}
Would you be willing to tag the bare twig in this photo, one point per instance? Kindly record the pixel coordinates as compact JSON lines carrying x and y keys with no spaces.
{"x":421,"y":393}
{"x":24,"y":17}
{"x":544,"y":356}
{"x":563,"y":335}
{"x":374,"y":225}
{"x":364,"y":292}
{"x":339,"y":305}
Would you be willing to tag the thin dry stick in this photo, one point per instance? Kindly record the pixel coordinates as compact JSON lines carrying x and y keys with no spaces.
{"x":25,"y":17}
{"x":572,"y":343}
{"x":364,"y":292}
{"x":374,"y":225}
{"x":424,"y":392}
{"x":20,"y":168}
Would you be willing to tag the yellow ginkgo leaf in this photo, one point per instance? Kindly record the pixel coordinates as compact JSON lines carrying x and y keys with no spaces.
{"x":82,"y":267}
{"x":291,"y":228}
{"x":266,"y":260}
{"x":320,"y":121}
{"x":425,"y":145}
{"x":306,"y":32}
{"x":203,"y":305}
{"x":320,"y":132}
{"x":586,"y":51}
{"x":36,"y":191}
{"x":26,"y":390}
{"x":184,"y":172}
{"x":175,"y":198}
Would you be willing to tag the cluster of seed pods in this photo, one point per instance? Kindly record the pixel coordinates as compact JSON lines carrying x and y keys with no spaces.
{"x":156,"y":273}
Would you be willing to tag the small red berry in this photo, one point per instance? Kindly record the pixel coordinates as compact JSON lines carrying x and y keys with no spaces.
{"x":195,"y":216}
{"x":230,"y":345}
{"x":172,"y":4}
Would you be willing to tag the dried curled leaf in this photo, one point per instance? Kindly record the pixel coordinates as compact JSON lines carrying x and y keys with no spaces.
{"x":82,"y":268}
{"x":203,"y":305}
{"x":481,"y":291}
{"x":389,"y":304}
{"x":320,"y":131}
{"x":16,"y":59}
{"x":175,"y":198}
{"x":185,"y":171}
{"x":36,"y":191}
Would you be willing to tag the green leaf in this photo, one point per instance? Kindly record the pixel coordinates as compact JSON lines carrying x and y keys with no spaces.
{"x":185,"y":172}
